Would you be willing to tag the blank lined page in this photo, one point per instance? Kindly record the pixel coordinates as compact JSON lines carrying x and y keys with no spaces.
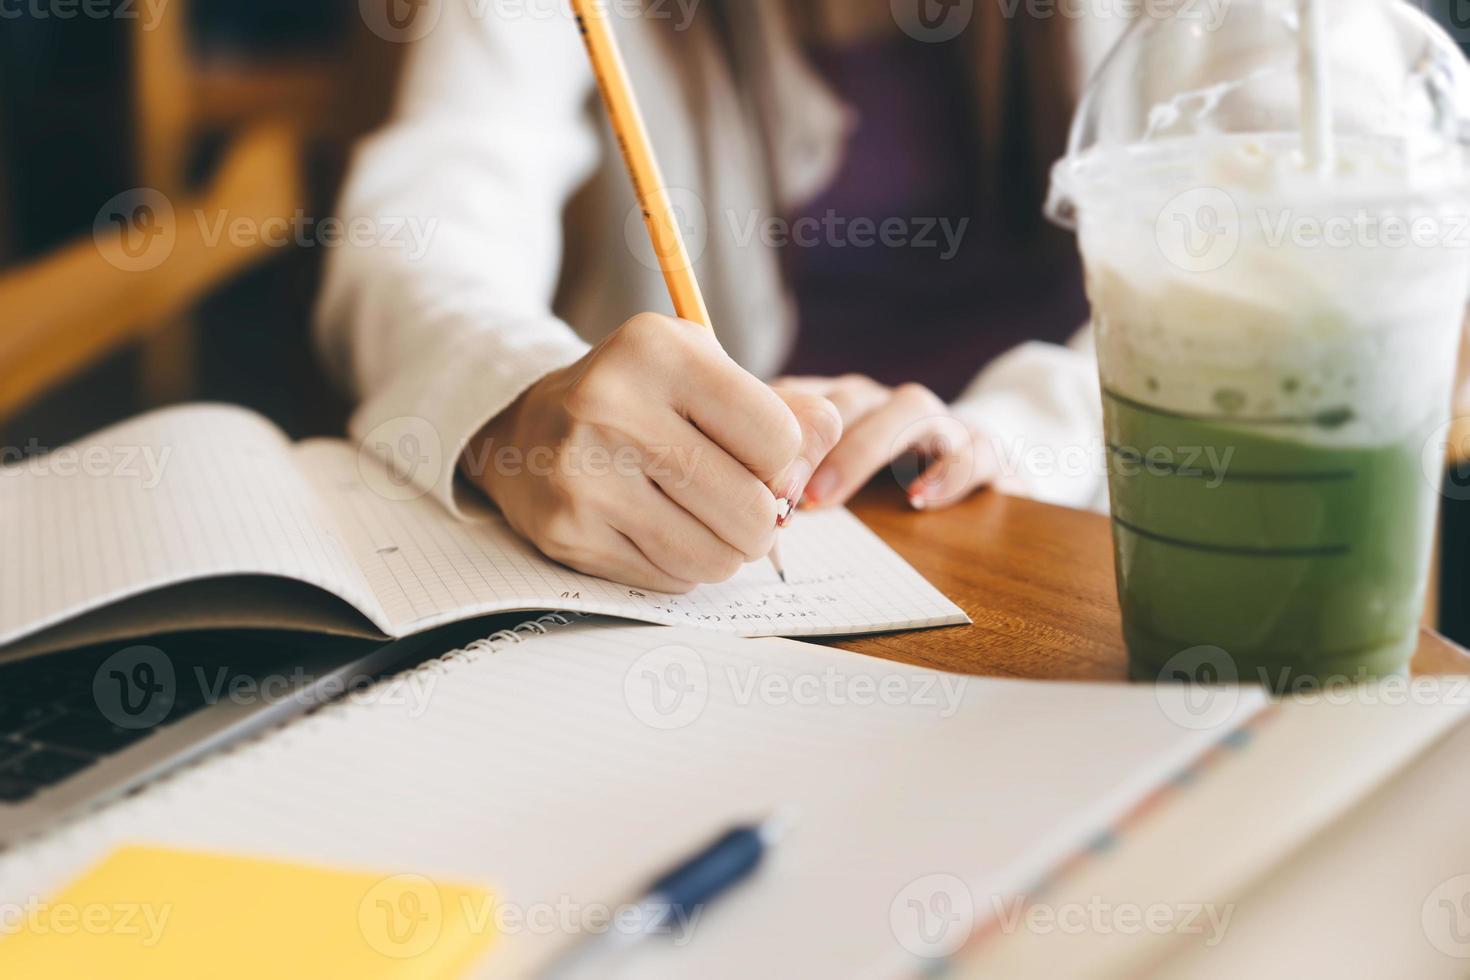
{"x":427,"y":568}
{"x":569,"y":770}
{"x":175,"y":495}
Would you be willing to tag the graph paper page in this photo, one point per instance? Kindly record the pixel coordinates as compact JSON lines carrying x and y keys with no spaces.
{"x":426,"y":568}
{"x":174,"y":496}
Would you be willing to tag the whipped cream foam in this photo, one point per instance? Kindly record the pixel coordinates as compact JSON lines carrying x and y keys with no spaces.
{"x":1231,"y":281}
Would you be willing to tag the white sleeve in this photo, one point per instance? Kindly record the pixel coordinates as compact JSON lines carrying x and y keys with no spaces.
{"x":436,"y":311}
{"x":1042,"y":407}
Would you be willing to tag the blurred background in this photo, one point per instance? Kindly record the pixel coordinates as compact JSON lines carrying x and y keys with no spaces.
{"x":239,"y":108}
{"x":247,"y":108}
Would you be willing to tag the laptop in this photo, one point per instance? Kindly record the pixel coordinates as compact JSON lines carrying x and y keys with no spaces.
{"x":85,"y":726}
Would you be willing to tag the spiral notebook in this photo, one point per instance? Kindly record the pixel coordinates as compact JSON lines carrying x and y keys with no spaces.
{"x":188,"y":496}
{"x":560,"y":765}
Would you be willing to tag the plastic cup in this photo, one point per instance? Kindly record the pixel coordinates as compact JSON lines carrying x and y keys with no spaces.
{"x":1276,"y":338}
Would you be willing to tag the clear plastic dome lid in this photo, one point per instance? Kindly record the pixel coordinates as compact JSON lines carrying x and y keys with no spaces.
{"x":1371,"y":73}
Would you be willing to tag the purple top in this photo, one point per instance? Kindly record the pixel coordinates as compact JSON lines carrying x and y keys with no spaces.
{"x":905,"y":282}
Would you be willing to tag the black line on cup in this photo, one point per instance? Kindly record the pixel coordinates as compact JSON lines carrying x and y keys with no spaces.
{"x":1333,"y":418}
{"x":1323,"y":476}
{"x":1326,"y":551}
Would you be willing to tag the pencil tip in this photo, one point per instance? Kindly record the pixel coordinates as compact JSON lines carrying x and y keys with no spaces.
{"x":783,"y":577}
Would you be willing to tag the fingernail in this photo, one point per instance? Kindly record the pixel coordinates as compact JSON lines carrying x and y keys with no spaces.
{"x":821,"y":487}
{"x":796,"y":487}
{"x":917,"y":502}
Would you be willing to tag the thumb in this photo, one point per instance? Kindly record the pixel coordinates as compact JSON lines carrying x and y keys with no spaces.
{"x":821,"y":428}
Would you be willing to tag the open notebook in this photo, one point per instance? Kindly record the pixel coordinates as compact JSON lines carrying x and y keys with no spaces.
{"x":203,"y":492}
{"x":565,"y":770}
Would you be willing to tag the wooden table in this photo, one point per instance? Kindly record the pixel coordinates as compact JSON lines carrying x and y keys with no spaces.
{"x":1038,"y":582}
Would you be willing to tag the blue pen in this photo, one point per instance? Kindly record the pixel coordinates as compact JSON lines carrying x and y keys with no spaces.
{"x":677,"y":896}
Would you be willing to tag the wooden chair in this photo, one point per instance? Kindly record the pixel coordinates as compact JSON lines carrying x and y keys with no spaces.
{"x":66,"y":310}
{"x":180,"y":99}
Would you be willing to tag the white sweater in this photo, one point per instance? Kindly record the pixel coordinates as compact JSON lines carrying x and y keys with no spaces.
{"x":529,"y":245}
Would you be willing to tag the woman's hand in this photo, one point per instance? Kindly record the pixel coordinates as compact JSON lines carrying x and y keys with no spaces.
{"x":882,"y":425}
{"x":655,"y":460}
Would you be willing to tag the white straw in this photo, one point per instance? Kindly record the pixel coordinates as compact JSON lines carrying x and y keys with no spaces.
{"x":1316,"y":92}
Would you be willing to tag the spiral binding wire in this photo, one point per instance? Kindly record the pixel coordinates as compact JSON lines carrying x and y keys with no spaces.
{"x":493,"y":643}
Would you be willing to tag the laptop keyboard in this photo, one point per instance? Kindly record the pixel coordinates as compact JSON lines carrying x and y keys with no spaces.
{"x":63,"y":713}
{"x":51,"y":727}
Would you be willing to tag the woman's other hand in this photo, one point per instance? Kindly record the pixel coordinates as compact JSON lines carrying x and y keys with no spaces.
{"x":940,"y":458}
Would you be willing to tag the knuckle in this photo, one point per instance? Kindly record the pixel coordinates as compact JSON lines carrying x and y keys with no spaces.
{"x":593,"y":396}
{"x":825,"y":422}
{"x":761,"y":510}
{"x":558,"y":536}
{"x":650,"y":332}
{"x":859,"y":384}
{"x":721,"y":564}
{"x":784,"y":436}
{"x":565,"y":489}
{"x":757,"y":525}
{"x":918,"y":397}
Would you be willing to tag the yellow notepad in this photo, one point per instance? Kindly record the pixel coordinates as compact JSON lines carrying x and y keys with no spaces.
{"x":164,"y":914}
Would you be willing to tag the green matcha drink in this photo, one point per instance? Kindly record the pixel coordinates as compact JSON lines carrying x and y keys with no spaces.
{"x":1272,"y":209}
{"x":1290,"y":556}
{"x":1266,"y":423}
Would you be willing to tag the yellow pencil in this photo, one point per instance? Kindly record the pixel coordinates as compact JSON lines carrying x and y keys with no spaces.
{"x":648,"y":179}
